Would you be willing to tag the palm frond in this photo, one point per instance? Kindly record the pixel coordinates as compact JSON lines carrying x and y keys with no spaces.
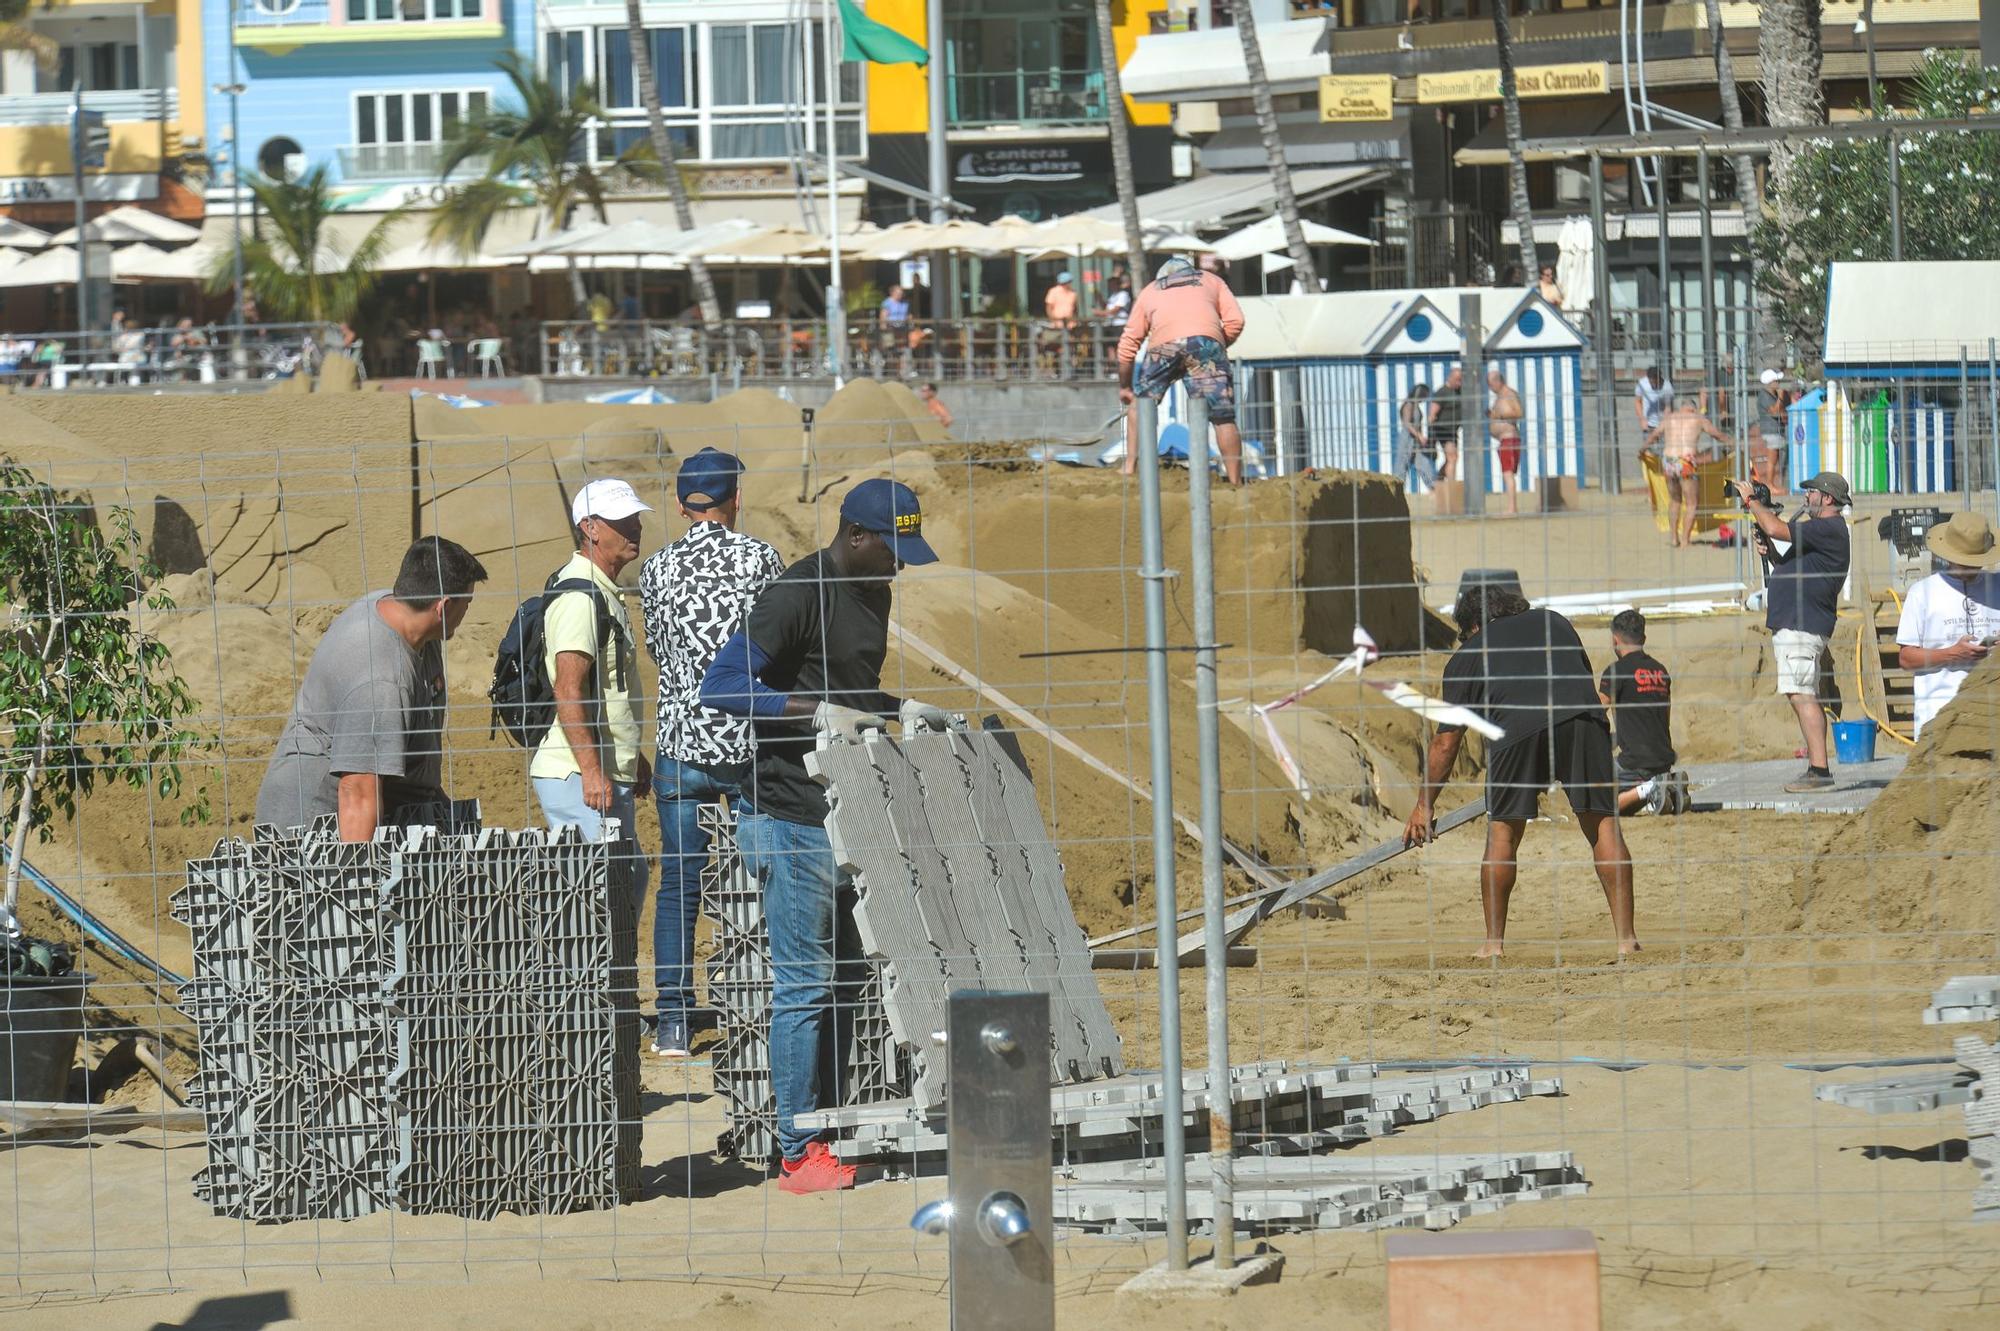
{"x":463,"y":219}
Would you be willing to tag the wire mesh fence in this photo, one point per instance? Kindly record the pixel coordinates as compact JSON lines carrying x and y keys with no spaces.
{"x":1680,"y":1102}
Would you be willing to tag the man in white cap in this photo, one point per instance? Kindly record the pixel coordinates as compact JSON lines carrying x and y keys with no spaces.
{"x":590,"y":764}
{"x":1952,"y":618}
{"x":1773,"y":422}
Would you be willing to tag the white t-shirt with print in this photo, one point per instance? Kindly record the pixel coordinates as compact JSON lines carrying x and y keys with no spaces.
{"x":1937,"y":612}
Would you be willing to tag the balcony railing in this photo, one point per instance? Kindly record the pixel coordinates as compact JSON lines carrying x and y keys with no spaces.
{"x":1024,"y":97}
{"x":398,"y":161}
{"x":52,"y":108}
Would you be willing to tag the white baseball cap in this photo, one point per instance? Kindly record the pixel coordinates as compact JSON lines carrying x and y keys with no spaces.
{"x":1769,"y":377}
{"x":607,"y":499}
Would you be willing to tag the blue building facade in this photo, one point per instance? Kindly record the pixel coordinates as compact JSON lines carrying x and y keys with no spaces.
{"x":367,"y":87}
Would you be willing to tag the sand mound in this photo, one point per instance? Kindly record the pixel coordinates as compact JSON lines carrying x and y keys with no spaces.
{"x":865,"y":418}
{"x":1920,"y":859}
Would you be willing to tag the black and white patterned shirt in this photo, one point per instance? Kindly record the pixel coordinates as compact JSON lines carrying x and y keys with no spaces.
{"x":694,"y":594}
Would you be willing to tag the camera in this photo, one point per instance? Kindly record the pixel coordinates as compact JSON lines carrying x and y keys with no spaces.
{"x":1757,"y":491}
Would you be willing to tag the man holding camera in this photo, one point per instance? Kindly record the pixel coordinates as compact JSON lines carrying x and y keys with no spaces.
{"x":1808,"y":566}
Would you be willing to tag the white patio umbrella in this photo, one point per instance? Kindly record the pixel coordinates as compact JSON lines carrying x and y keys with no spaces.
{"x":1268,"y":237}
{"x":130,"y":225}
{"x":1081,"y":236}
{"x":192,"y":263}
{"x":425,"y":255}
{"x":53,"y":267}
{"x":917,"y":237}
{"x":21,"y":236}
{"x":554,"y":241}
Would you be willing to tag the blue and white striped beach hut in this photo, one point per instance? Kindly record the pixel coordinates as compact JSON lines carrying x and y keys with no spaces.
{"x":1321,"y":377}
{"x":1924,"y":331}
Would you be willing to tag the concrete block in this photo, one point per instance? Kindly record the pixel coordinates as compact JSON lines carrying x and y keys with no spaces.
{"x":1202,"y":1280}
{"x":1545,"y":1278}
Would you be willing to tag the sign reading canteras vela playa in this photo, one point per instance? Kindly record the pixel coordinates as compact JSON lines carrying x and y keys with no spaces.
{"x":1483,"y":85}
{"x":1346,"y":98}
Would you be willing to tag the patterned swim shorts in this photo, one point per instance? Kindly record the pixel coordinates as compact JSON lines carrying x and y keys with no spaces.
{"x":1203,"y":363}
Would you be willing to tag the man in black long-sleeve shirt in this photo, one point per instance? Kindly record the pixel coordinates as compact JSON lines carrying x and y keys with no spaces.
{"x":809,"y":661}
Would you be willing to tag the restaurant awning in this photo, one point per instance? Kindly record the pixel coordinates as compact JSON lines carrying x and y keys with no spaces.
{"x":1236,"y":198}
{"x":1208,"y":66}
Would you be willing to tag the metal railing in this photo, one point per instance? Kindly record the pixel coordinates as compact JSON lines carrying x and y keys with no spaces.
{"x":797,"y":349}
{"x":398,"y":161}
{"x":137,"y":357}
{"x":122,"y":106}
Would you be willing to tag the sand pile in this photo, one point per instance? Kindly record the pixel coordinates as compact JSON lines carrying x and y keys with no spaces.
{"x":1920,"y":860}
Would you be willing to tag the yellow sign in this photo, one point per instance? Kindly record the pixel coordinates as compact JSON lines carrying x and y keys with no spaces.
{"x":1344,"y":98}
{"x":1483,"y":85}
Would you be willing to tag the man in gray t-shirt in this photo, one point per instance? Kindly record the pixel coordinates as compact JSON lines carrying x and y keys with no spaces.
{"x":365,"y":732}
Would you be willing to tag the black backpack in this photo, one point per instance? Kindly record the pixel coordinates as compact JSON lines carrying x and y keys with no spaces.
{"x":523,"y":695}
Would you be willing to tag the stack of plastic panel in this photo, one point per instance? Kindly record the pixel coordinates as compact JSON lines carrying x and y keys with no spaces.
{"x":432,"y":1021}
{"x":739,"y":989}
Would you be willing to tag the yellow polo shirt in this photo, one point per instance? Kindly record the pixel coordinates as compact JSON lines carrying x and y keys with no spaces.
{"x":570,"y":625}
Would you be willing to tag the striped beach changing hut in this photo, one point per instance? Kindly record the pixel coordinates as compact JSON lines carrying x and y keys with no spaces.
{"x":1320,"y":378}
{"x":1915,"y":342}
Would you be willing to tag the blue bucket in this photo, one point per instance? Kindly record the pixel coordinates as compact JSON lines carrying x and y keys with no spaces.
{"x":1854,"y":741}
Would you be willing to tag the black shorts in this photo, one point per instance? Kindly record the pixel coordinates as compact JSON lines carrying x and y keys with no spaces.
{"x":1629,"y":777}
{"x":1576,"y":753}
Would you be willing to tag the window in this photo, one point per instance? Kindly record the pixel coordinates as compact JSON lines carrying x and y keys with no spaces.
{"x":671,"y":66}
{"x":102,"y":66}
{"x":562,"y":60}
{"x":412,"y":117}
{"x":756,"y":65}
{"x":411,"y":11}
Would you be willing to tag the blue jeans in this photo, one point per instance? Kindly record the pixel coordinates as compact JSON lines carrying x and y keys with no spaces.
{"x":562,"y":802}
{"x":1408,"y":455}
{"x":813,"y":951}
{"x":680,"y":789}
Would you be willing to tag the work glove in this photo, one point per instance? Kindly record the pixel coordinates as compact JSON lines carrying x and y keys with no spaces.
{"x":830,"y":718}
{"x":918,"y":717}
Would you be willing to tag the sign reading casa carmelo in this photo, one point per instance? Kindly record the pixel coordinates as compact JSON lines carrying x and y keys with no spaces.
{"x":1345,"y":98}
{"x":1483,"y":85}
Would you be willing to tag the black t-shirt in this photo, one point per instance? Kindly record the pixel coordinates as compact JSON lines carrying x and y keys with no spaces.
{"x":824,"y":638}
{"x":1642,"y":698}
{"x":1445,"y":428}
{"x":1525,"y":673}
{"x":1804,"y":586}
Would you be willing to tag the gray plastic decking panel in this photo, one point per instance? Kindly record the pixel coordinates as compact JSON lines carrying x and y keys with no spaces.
{"x":1903,"y":1094}
{"x":1965,"y":998}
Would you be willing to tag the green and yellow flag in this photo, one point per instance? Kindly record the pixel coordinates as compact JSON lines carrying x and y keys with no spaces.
{"x":862,"y":38}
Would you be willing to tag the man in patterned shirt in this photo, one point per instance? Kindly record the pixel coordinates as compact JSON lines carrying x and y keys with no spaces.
{"x":694,"y":595}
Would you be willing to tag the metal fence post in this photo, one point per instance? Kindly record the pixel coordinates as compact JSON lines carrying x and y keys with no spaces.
{"x":1600,"y":327}
{"x":1159,"y":726}
{"x":1895,"y":199}
{"x":999,"y":1209}
{"x":1215,"y":944}
{"x":1993,"y":414}
{"x":1472,"y":410}
{"x":1710,"y":360}
{"x":1667,"y":357}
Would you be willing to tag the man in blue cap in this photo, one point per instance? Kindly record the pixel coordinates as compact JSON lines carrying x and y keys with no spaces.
{"x":694,"y":594}
{"x":809,"y":661}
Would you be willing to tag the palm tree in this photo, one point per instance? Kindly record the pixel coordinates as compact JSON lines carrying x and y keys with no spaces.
{"x":1789,"y":59}
{"x":1121,"y":146}
{"x":1732,"y":110}
{"x":18,"y":36}
{"x":1517,"y":165}
{"x":1274,"y":147}
{"x":297,"y":266}
{"x":535,"y":151}
{"x":645,"y":76}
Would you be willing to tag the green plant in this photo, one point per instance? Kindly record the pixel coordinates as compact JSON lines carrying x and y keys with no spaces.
{"x":85,"y":695}
{"x":296,"y":265}
{"x":864,"y":299}
{"x":1838,"y":198}
{"x":536,"y":150}
{"x":16,"y":35}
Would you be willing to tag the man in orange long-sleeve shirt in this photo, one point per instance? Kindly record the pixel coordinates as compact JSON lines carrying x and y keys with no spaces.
{"x":1188,"y":318}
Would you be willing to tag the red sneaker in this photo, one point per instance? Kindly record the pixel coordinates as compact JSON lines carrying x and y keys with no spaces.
{"x":815,"y":1171}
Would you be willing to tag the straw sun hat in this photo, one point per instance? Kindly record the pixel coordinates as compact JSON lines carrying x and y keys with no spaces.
{"x":1967,"y":540}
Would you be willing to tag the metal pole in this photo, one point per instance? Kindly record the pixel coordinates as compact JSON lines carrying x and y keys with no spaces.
{"x":1472,"y":409}
{"x":1993,"y":413}
{"x":1895,"y":199}
{"x":82,"y":239}
{"x":1215,"y":940}
{"x":1600,"y":331}
{"x":836,"y":299}
{"x":236,"y":187}
{"x":1667,"y":359}
{"x":1159,"y":727}
{"x":1963,"y":443}
{"x":944,"y":274}
{"x":1710,"y":361}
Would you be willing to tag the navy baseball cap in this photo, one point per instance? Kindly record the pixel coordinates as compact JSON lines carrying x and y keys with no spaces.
{"x":708,"y":478}
{"x":889,"y":509}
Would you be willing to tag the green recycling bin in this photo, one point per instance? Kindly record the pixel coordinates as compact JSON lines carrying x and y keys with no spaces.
{"x":1871,"y":444}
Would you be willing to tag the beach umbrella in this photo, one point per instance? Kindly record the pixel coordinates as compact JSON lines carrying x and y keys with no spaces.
{"x":1268,"y":237}
{"x":133,"y":225}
